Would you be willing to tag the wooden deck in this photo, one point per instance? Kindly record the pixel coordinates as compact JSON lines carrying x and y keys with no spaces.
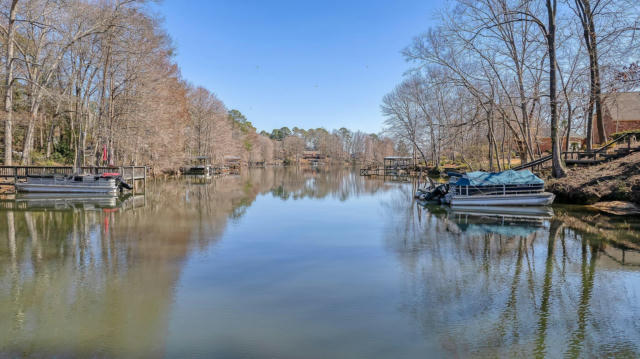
{"x":391,"y":166}
{"x":590,"y":158}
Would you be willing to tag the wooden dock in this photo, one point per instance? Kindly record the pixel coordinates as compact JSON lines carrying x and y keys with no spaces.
{"x":392,"y":166}
{"x":590,"y":158}
{"x":133,"y":175}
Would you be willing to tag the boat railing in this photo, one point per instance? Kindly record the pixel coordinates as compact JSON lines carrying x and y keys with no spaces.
{"x":503,"y":190}
{"x":65,"y":180}
{"x":134,"y":176}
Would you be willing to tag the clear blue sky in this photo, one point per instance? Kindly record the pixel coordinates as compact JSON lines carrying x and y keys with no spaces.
{"x":297,"y":63}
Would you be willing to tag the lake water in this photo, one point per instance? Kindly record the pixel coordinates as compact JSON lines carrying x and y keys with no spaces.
{"x":295,"y":263}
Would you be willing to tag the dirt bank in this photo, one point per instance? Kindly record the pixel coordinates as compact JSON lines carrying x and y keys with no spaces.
{"x":618,"y":180}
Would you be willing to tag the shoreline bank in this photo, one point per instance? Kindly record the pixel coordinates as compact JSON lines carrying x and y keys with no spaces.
{"x":618,"y":180}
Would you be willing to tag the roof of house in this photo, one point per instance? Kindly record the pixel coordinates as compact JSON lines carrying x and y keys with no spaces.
{"x":622,"y":106}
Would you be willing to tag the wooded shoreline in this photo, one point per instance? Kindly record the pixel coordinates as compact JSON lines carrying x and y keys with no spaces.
{"x":494,"y":81}
{"x":96,"y":83}
{"x":494,"y":84}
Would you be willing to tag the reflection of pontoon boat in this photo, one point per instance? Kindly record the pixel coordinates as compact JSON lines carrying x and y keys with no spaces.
{"x":534,"y":212}
{"x":105,"y":183}
{"x":507,"y":188}
{"x":510,"y":221}
{"x":64,"y":201}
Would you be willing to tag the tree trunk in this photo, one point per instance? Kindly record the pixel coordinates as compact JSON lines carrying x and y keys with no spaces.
{"x":557,"y":164}
{"x":569,"y":120}
{"x":526,"y":135}
{"x":602,"y":134}
{"x":8,"y":82}
{"x":50,"y":137}
{"x":82,"y":141}
{"x":28,"y":140}
{"x":490,"y":149}
{"x":41,"y":131}
{"x":81,"y":116}
{"x":592,"y":97}
{"x":595,"y":94}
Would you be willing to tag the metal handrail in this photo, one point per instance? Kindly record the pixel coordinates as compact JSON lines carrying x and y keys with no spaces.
{"x":498,"y":189}
{"x":498,"y":193}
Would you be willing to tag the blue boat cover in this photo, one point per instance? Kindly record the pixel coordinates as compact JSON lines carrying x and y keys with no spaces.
{"x":509,"y":177}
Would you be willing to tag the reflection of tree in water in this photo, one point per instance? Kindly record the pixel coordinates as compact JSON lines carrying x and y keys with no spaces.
{"x":94,"y":282}
{"x":100,"y":282}
{"x":340,"y":183}
{"x":588,"y":271}
{"x":529,"y":293}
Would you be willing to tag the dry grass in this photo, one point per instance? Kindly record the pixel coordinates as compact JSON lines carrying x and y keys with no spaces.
{"x":618,"y":180}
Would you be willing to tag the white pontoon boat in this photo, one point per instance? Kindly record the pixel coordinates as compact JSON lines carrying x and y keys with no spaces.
{"x":507,"y":188}
{"x":70,"y":184}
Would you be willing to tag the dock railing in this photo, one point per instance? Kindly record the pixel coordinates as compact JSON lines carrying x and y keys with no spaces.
{"x":592,"y":157}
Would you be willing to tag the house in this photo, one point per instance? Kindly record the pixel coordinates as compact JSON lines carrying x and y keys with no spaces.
{"x":313,"y":155}
{"x":620,"y":112}
{"x":575,"y":143}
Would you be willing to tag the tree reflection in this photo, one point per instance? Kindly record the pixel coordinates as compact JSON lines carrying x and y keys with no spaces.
{"x":503,"y":285}
{"x":109,"y":272}
{"x":543,"y":317}
{"x":476,"y":284}
{"x":588,"y":271}
{"x":339,"y":183}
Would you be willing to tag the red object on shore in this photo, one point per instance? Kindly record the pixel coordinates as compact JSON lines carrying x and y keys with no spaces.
{"x":110,"y":174}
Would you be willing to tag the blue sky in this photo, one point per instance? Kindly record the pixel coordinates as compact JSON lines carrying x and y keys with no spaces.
{"x":297,"y":63}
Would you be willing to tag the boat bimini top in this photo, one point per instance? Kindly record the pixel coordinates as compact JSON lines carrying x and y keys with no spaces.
{"x":509,"y":177}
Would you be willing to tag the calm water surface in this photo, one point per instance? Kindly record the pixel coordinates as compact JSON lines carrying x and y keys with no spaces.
{"x":292,"y":263}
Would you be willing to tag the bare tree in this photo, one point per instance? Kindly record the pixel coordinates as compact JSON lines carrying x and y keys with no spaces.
{"x":8,"y":85}
{"x":557,"y":168}
{"x":402,"y":120}
{"x":585,"y":12}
